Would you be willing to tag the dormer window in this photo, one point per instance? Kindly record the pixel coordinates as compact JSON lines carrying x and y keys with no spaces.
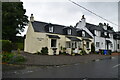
{"x":69,"y":31}
{"x":110,"y":35}
{"x":105,"y":33}
{"x":51,"y":29}
{"x":97,"y":33}
{"x":83,"y":33}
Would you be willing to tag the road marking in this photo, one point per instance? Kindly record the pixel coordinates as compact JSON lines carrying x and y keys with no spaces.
{"x":116,"y":66}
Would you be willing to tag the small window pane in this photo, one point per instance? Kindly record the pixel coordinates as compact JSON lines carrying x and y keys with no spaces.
{"x":97,"y":44}
{"x":51,"y":29}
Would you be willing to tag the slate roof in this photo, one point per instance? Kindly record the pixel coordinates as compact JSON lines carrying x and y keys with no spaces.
{"x":93,"y":27}
{"x":57,"y":29}
{"x":117,"y":35}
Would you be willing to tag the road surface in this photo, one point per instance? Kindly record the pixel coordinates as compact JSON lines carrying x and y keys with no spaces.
{"x":106,"y":68}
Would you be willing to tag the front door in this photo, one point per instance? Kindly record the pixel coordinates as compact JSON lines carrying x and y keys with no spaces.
{"x":54,"y":45}
{"x":107,"y":46}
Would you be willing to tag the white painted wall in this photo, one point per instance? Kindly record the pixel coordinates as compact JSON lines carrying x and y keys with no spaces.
{"x":118,"y":42}
{"x":111,"y":39}
{"x":102,"y":43}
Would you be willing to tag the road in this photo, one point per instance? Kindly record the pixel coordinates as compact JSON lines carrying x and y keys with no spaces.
{"x":106,"y":68}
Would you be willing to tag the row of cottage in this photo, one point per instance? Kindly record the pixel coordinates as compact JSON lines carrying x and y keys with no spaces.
{"x":74,"y":39}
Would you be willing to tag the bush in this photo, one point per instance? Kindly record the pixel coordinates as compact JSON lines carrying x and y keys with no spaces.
{"x":6,"y":45}
{"x":38,"y":53}
{"x":63,"y":53}
{"x":18,"y":59}
{"x":83,"y":52}
{"x":44,"y":51}
{"x":20,"y":46}
{"x":7,"y":57}
{"x":12,"y":58}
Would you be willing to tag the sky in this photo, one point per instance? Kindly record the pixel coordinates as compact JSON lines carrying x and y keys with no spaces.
{"x":66,"y":13}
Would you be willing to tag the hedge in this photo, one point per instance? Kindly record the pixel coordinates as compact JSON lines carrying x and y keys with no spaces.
{"x":6,"y":45}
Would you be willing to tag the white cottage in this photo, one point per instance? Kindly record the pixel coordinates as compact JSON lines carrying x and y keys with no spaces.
{"x":102,"y":34}
{"x":56,"y":38}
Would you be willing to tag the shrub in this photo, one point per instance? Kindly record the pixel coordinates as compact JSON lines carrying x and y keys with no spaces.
{"x":18,"y":59}
{"x":6,"y":45}
{"x":12,"y":58}
{"x":20,"y":46}
{"x":83,"y":52}
{"x":44,"y":50}
{"x":38,"y":53}
{"x":7,"y":57}
{"x":63,"y":53}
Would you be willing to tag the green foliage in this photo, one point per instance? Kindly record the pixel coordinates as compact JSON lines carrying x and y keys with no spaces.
{"x":7,"y":57}
{"x":83,"y":52}
{"x":44,"y":51}
{"x":6,"y":45}
{"x":12,"y":58}
{"x":20,"y":46}
{"x":18,"y":51}
{"x":18,"y":59}
{"x":38,"y":53}
{"x":63,"y":53}
{"x":13,"y":20}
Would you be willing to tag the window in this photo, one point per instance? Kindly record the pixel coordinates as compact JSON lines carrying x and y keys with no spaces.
{"x":53,"y":42}
{"x":83,"y":33}
{"x":79,"y":44}
{"x":68,"y":45}
{"x":75,"y":44}
{"x":118,"y":46}
{"x":105,"y":27}
{"x":87,"y":44}
{"x":105,"y":33}
{"x":97,"y":33}
{"x":97,"y":44}
{"x":51,"y":29}
{"x":110,"y":35}
{"x":69,"y":31}
{"x":111,"y":45}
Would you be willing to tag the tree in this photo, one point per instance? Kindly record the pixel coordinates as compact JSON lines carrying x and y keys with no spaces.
{"x":13,"y":20}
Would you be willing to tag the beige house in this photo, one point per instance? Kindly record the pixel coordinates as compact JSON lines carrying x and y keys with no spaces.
{"x":57,"y":38}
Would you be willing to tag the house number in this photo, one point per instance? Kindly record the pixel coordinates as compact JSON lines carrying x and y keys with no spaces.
{"x":40,"y":39}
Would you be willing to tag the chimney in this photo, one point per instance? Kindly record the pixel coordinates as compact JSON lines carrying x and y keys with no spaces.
{"x":32,"y":18}
{"x":83,"y":21}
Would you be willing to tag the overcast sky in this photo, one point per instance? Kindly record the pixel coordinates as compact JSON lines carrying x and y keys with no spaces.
{"x":66,"y":13}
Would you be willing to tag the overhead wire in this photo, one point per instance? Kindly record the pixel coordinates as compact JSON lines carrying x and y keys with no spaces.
{"x":93,"y":13}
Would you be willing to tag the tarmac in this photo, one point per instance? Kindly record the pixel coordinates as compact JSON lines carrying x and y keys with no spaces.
{"x":57,"y":60}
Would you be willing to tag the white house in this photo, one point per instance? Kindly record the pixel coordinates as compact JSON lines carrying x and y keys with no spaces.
{"x":117,"y":41}
{"x":57,"y":38}
{"x":102,"y":34}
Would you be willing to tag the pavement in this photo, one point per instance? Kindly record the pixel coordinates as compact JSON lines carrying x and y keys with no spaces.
{"x":46,"y":60}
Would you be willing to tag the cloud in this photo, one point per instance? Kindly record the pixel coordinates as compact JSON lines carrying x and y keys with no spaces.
{"x":66,"y":13}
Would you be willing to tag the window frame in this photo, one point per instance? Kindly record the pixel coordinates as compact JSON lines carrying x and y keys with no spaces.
{"x":51,"y":29}
{"x":69,"y":31}
{"x":97,"y":44}
{"x":83,"y":33}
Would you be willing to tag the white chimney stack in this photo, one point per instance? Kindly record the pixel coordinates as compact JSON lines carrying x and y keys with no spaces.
{"x":32,"y":18}
{"x":83,"y":21}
